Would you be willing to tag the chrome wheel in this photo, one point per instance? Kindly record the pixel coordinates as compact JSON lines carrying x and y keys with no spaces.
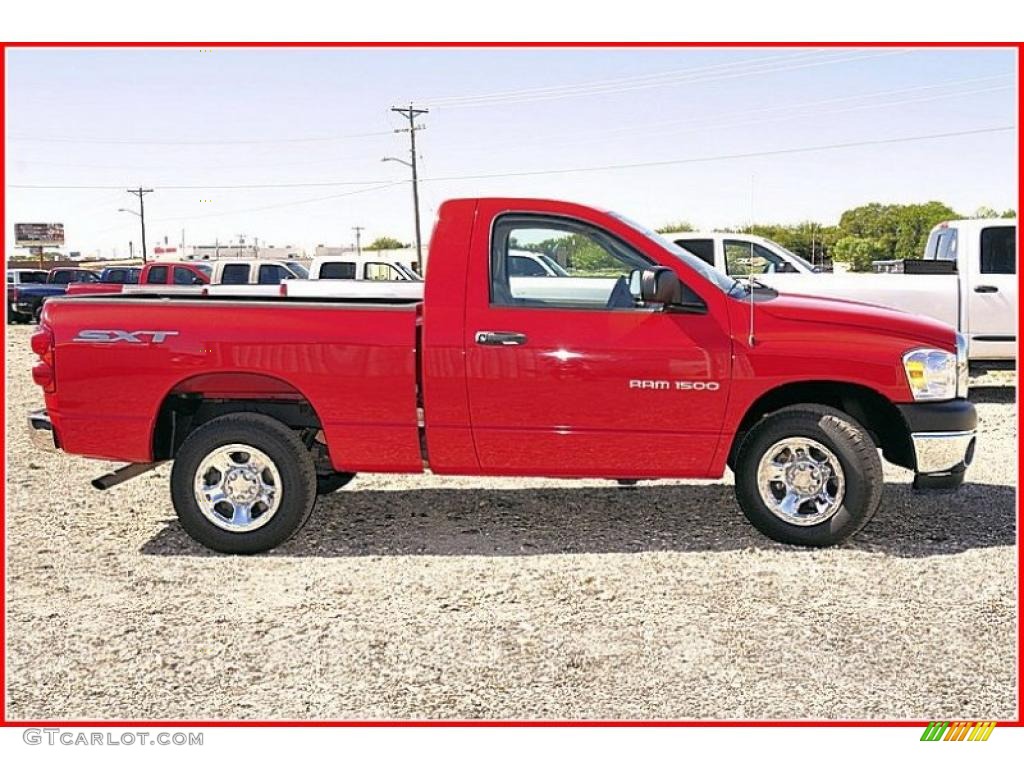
{"x":237,"y":488}
{"x":801,"y":481}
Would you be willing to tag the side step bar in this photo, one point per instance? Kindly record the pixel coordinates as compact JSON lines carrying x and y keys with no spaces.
{"x":125,"y":473}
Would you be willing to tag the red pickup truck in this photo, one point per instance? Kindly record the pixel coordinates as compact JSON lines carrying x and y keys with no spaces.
{"x":633,"y":360}
{"x":163,"y":273}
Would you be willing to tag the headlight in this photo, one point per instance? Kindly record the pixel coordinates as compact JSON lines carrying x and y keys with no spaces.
{"x":931,"y":373}
{"x":962,"y":367}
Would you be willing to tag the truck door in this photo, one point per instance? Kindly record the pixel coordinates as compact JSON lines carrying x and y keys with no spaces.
{"x":568,"y":376}
{"x":991,"y":292}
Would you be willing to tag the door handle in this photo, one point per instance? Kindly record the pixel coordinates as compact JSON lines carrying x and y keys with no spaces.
{"x":500,"y":338}
{"x":985,"y":289}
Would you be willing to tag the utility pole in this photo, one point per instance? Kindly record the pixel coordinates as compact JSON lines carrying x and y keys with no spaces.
{"x":411,"y":113}
{"x":140,"y":192}
{"x":359,"y":232}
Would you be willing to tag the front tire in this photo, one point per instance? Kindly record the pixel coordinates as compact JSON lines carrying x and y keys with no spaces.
{"x":243,"y":483}
{"x":808,"y":475}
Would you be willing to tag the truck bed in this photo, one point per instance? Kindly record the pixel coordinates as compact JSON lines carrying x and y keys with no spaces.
{"x":354,"y":363}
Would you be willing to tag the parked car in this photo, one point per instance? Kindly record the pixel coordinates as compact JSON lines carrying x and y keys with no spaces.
{"x":160,"y":276}
{"x":26,"y":276}
{"x":25,"y":301}
{"x":16,"y":278}
{"x":664,"y":367}
{"x":967,"y":278}
{"x":112,"y":280}
{"x":373,"y":267}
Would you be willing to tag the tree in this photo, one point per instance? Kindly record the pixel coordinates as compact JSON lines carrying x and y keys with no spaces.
{"x":385,"y":244}
{"x":676,"y":226}
{"x":858,"y":252}
{"x":985,"y":212}
{"x":897,"y":231}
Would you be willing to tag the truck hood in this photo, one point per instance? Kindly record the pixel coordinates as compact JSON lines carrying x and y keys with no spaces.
{"x":840,"y":312}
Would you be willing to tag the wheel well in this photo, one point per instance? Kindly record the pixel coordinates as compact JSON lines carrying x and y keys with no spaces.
{"x":196,"y":401}
{"x":873,"y":411}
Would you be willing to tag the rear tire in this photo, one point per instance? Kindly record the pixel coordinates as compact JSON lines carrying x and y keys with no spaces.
{"x":243,"y":483}
{"x":831,"y":452}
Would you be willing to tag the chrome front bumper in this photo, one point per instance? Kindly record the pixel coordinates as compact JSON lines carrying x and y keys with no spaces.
{"x":941,"y":452}
{"x":40,"y":430}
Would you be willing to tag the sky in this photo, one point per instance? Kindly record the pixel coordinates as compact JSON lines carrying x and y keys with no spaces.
{"x":286,"y":145}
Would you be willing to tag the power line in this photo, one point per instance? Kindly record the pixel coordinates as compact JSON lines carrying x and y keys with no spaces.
{"x":582,"y":169}
{"x":217,"y":186}
{"x":186,"y":143}
{"x":274,"y":206}
{"x":567,"y":93}
{"x":788,"y":109}
{"x":445,"y":100}
{"x":736,"y":156}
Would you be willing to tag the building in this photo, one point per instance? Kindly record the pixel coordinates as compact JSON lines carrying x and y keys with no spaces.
{"x":244,"y":251}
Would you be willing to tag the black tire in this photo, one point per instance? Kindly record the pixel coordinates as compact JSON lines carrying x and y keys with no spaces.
{"x":291,"y":459}
{"x":853,"y":448}
{"x":333,"y":482}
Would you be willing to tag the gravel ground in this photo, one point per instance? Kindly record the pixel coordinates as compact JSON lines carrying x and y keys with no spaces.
{"x":413,"y":597}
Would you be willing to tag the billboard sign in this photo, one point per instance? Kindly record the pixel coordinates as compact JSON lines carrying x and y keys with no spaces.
{"x":35,"y":235}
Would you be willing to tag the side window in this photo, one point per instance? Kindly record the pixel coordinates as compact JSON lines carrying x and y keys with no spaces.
{"x":945,"y":248}
{"x":701,"y":248}
{"x":271,"y":274}
{"x":235,"y":274}
{"x":184,"y":276}
{"x":157,"y":276}
{"x":524,"y":266}
{"x":998,"y":251}
{"x":10,"y":277}
{"x":744,"y":257}
{"x":590,"y":269}
{"x":376,"y":271}
{"x":932,"y":245}
{"x":338,"y":270}
{"x":115,"y":276}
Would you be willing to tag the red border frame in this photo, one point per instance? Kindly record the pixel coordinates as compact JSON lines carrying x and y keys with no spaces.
{"x":4,"y":722}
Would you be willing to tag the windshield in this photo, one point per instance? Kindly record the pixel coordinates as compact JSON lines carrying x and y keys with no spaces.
{"x":709,"y":273}
{"x":790,"y":254}
{"x":206,"y":269}
{"x":299,"y":270}
{"x":33,"y":277}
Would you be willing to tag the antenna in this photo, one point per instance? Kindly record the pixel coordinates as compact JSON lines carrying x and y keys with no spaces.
{"x":750,"y":265}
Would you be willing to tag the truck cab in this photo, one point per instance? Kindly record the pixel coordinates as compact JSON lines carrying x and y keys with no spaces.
{"x":361,"y":267}
{"x":739,"y":255}
{"x":255,"y":271}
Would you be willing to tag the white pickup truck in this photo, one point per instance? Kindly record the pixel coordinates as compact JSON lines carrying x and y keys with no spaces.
{"x":968,"y":278}
{"x":360,"y":267}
